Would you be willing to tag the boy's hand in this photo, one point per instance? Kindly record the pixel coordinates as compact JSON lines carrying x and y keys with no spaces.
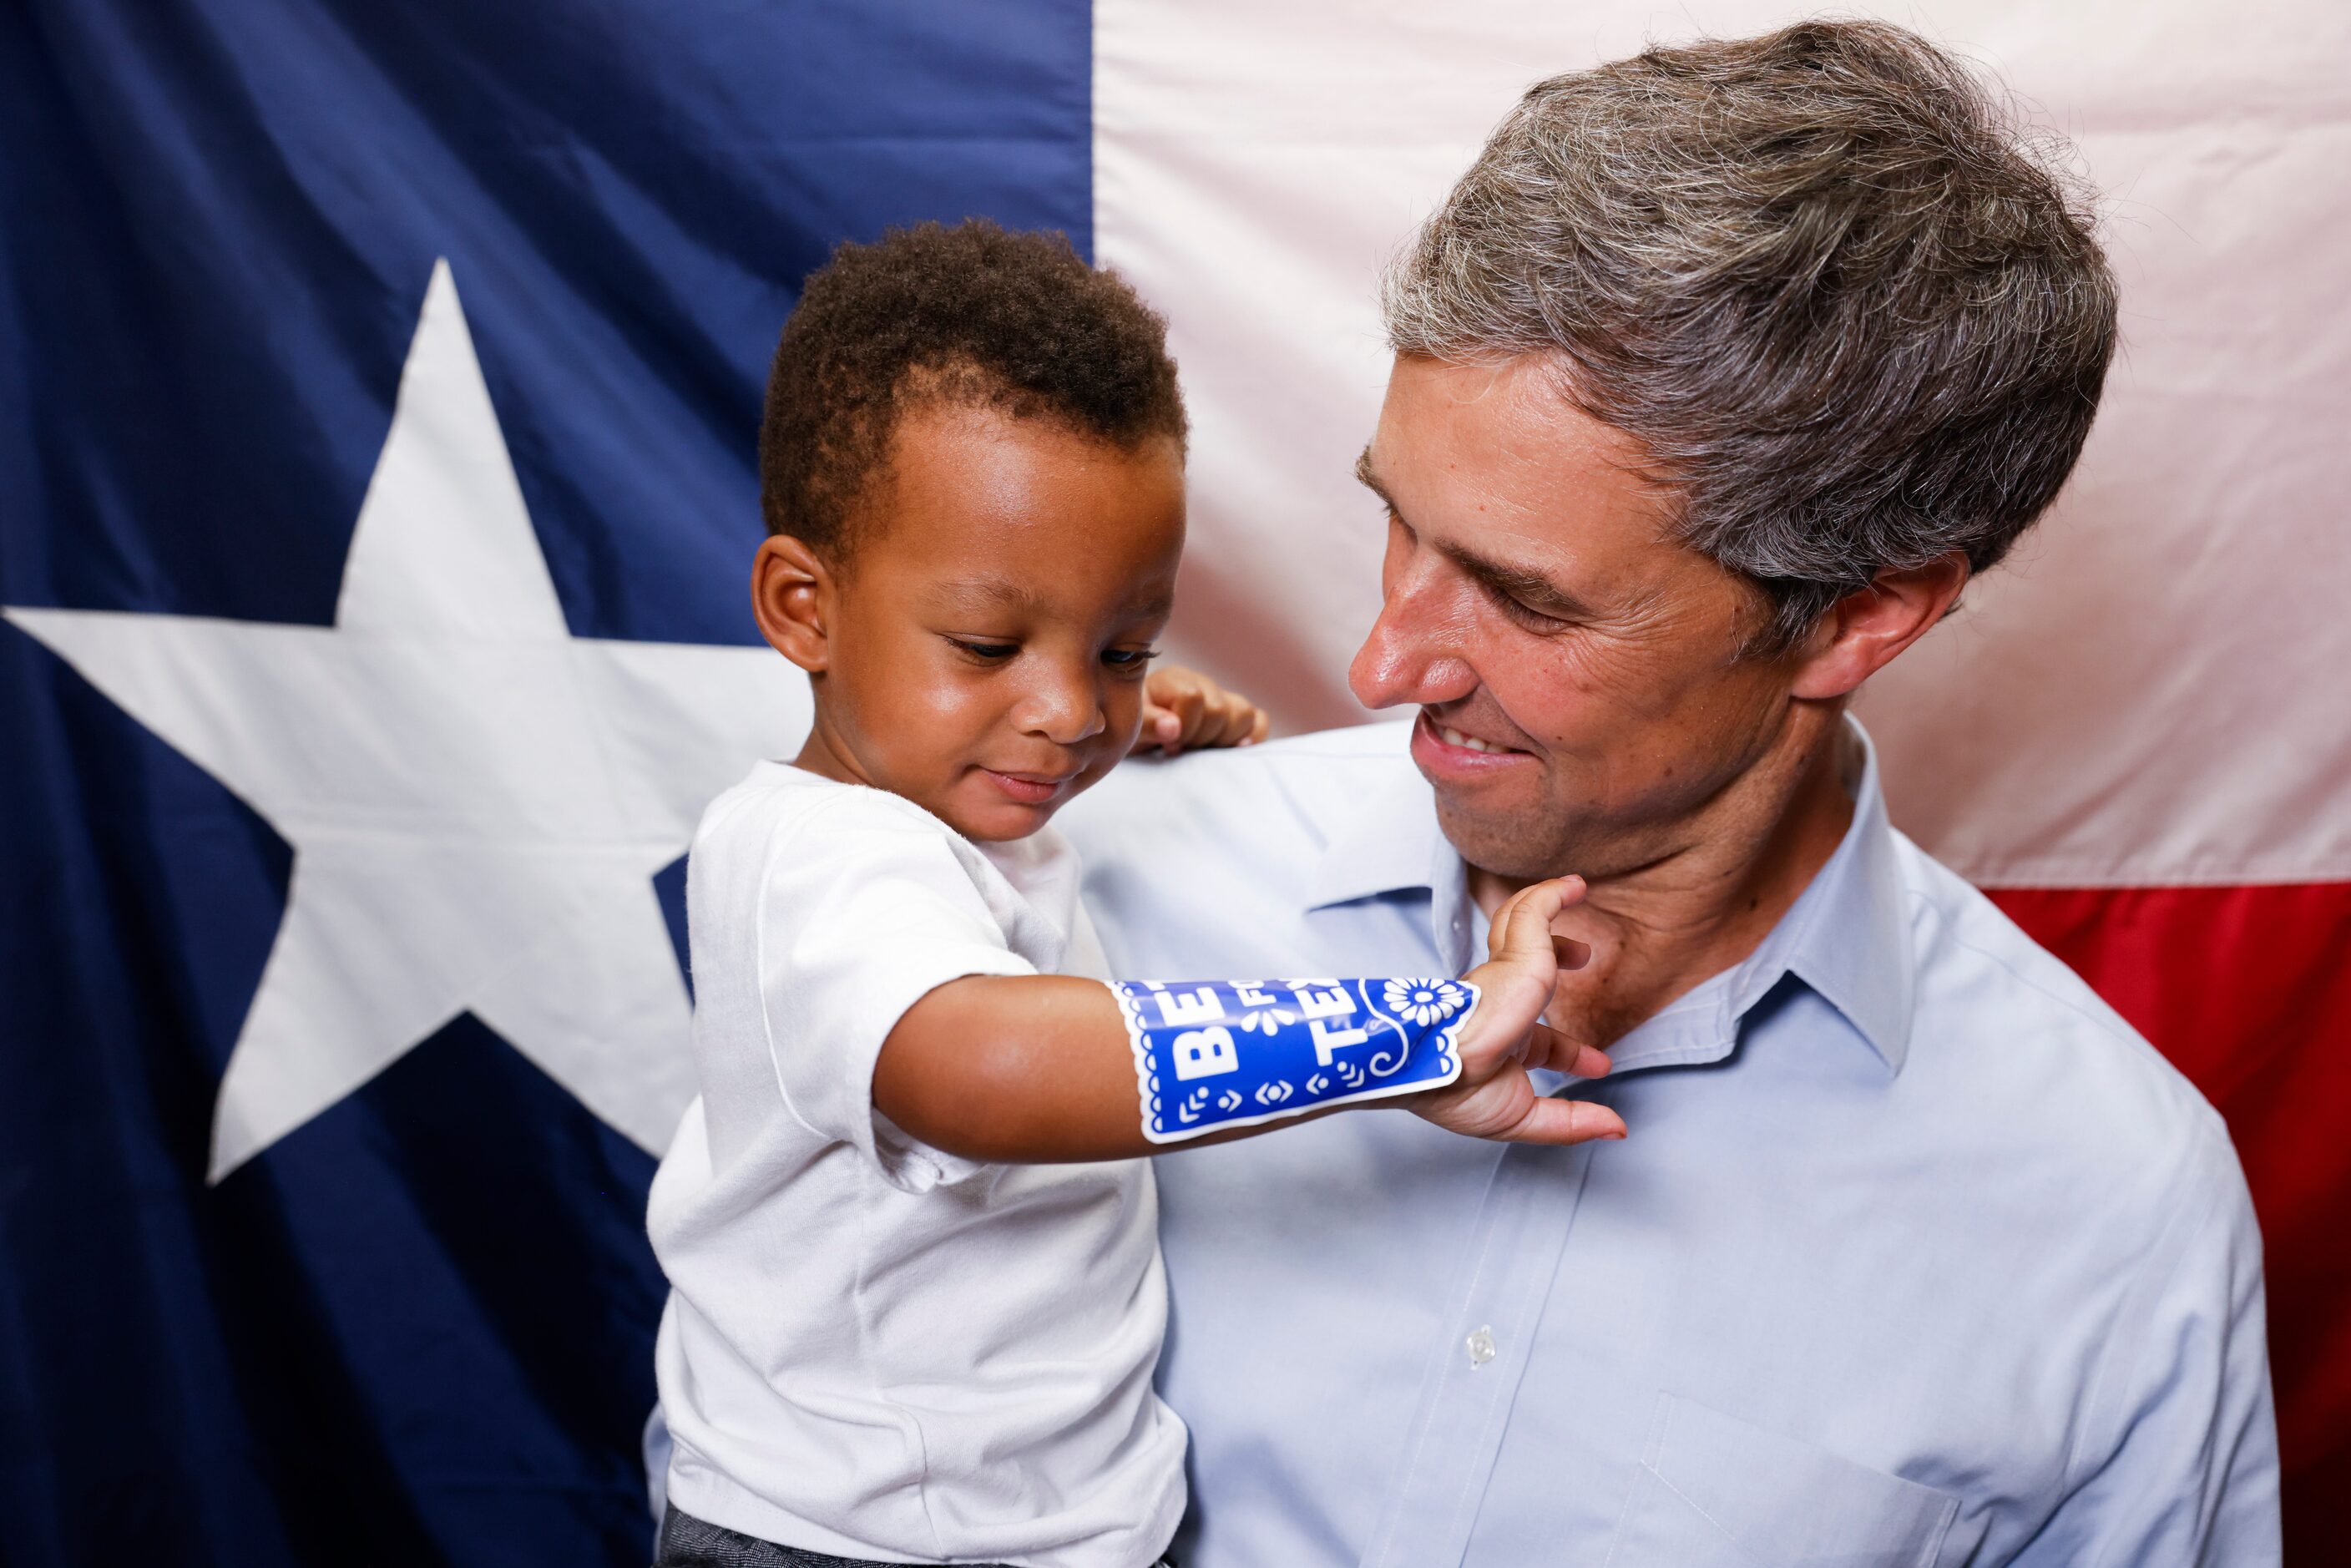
{"x":1183,"y":710}
{"x":1493,"y":1098}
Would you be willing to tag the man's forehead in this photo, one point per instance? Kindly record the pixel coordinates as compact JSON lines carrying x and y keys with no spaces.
{"x":1503,"y":450}
{"x":1504,"y":427}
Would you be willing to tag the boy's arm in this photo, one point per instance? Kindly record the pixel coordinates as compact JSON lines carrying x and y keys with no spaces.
{"x":1040,"y":1067}
{"x":999,"y":1068}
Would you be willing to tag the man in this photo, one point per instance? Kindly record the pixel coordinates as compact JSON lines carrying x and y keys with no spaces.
{"x":1719,"y":373}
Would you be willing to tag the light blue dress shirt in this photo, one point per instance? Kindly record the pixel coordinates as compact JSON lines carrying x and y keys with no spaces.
{"x":1916,"y":1254}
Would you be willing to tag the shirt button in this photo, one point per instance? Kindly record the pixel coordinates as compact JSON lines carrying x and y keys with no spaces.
{"x":1481,"y":1346}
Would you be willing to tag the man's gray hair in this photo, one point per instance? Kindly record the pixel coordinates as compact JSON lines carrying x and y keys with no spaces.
{"x":1853,"y":310}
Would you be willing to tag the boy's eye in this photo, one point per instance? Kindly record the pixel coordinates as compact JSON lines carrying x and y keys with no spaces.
{"x":1128,"y":658}
{"x":986,"y":653}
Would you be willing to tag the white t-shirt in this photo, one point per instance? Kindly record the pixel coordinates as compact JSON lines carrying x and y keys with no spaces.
{"x":874,"y":1348}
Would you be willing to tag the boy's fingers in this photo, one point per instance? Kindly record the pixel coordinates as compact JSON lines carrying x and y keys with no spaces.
{"x":1241,"y":718}
{"x":1164,"y":682}
{"x":1562,"y":1054}
{"x":1172,"y":707}
{"x":1231,"y":718}
{"x":1499,"y":936}
{"x":1190,"y":704}
{"x":1183,"y":709}
{"x":1157,"y":730}
{"x":1530,"y":911}
{"x":1562,"y":1122}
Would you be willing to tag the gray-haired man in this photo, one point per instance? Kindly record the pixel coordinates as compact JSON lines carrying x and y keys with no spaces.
{"x":1718,"y":376}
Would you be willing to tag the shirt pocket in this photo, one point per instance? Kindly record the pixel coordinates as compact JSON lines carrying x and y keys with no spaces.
{"x":1714,"y":1491}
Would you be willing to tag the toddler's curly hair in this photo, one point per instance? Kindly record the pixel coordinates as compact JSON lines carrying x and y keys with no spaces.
{"x":972,"y":315}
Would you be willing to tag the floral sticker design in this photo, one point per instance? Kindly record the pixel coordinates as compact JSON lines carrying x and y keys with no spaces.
{"x":1425,"y":1002}
{"x":1230,"y":1053}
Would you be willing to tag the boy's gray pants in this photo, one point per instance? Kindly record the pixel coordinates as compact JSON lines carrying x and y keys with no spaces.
{"x":690,"y":1542}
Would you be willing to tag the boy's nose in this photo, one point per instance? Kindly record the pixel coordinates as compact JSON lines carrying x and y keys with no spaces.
{"x":1064,"y":712}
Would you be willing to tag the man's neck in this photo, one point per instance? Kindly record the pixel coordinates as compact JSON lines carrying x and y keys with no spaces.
{"x":1661,"y":929}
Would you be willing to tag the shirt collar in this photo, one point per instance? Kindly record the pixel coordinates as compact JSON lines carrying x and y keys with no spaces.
{"x":1391,"y":845}
{"x":1848,"y":935}
{"x":1394,"y":845}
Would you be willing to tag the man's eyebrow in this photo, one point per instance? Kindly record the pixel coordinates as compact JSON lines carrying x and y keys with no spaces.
{"x":1522,"y":583}
{"x":1369,"y":480}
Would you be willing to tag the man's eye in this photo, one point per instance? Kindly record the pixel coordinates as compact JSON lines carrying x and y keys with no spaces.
{"x":986,"y":653}
{"x":1516,"y":610}
{"x":1128,"y":658}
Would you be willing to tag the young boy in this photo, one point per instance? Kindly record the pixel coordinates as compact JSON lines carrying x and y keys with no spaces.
{"x":917,"y":1297}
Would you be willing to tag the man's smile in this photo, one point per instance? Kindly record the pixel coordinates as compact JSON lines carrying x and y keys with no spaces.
{"x":1441,"y":749}
{"x":1455,"y":738}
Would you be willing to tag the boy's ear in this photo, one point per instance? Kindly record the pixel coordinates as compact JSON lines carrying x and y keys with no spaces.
{"x":791,"y":594}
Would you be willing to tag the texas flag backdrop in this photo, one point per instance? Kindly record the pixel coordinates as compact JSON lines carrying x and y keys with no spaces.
{"x":378,"y":389}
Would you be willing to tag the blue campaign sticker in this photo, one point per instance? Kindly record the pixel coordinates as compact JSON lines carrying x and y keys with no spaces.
{"x":1233,"y":1053}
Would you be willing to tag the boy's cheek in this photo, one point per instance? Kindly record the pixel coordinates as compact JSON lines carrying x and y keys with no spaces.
{"x":1123,"y":718}
{"x":1118,"y":739}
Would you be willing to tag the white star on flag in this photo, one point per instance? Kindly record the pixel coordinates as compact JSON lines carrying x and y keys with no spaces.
{"x":477,"y":800}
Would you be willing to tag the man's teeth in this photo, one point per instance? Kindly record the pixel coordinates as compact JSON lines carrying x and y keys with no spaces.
{"x":1467,"y":742}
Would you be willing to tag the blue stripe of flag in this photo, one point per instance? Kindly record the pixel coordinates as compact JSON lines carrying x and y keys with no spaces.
{"x":418,"y":1329}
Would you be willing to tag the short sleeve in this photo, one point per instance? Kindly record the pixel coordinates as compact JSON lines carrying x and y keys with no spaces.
{"x":864,"y":910}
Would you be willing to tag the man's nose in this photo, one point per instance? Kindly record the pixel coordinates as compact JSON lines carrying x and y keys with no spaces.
{"x":1412,"y":654}
{"x":1065,"y":707}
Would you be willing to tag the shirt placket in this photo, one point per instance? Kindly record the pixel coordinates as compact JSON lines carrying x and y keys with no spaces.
{"x":1454,"y":923}
{"x":1469,"y":1388}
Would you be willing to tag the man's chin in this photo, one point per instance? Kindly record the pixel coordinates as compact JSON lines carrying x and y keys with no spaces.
{"x":1517,"y":845}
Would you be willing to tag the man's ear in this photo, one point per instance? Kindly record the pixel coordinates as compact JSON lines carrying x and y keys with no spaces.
{"x":791,"y":599}
{"x":1863,"y":631}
